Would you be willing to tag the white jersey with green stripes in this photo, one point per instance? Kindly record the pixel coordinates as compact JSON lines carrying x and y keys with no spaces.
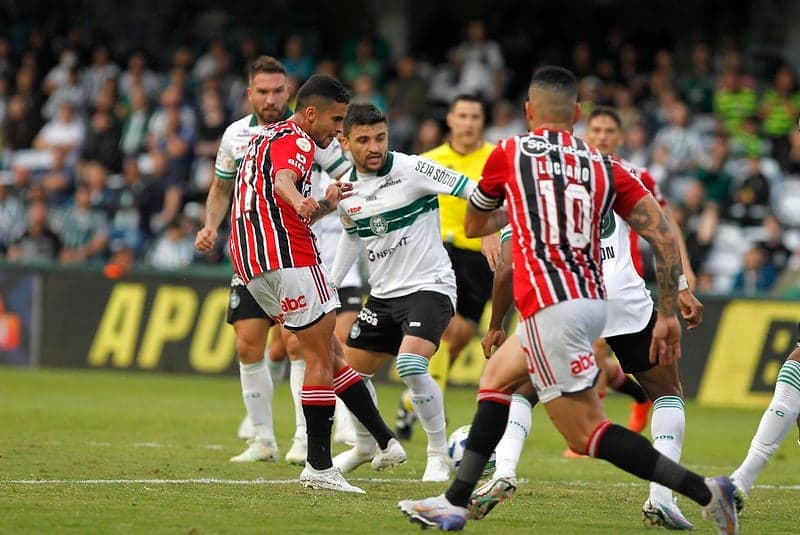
{"x":233,"y":146}
{"x":395,"y":213}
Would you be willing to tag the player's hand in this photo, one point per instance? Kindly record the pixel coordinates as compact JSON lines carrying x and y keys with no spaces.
{"x":490,"y":248}
{"x":307,"y":207}
{"x":337,"y":191}
{"x":691,"y":309}
{"x":205,"y":239}
{"x":492,"y":339}
{"x":665,"y":346}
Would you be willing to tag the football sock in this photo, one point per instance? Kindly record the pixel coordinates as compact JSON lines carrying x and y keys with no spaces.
{"x":257,"y":396}
{"x":510,"y":446}
{"x":365,"y":442}
{"x":426,"y":397}
{"x":667,"y":426}
{"x":623,"y":383}
{"x":776,"y":422}
{"x":633,"y":453}
{"x":297,"y":370}
{"x":318,"y":405}
{"x":351,"y":389}
{"x":487,"y":428}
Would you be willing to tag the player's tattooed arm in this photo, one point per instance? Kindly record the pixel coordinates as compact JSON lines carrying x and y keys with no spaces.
{"x":650,"y":222}
{"x":217,"y":202}
{"x":333,"y":194}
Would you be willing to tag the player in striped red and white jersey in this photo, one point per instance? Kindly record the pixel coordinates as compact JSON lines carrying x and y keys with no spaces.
{"x":273,"y":250}
{"x":557,"y":189}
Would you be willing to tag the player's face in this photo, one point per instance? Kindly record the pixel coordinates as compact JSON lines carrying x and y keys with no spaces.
{"x":327,"y":123}
{"x":368,"y":145}
{"x":268,"y":94}
{"x":602,"y":132}
{"x":465,"y":120}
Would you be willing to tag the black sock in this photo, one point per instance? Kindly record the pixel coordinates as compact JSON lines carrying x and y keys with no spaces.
{"x":633,"y":453}
{"x":487,"y":429}
{"x":358,"y":400}
{"x":632,"y":388}
{"x":319,"y":421}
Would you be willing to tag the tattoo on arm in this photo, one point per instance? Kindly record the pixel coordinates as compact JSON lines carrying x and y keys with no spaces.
{"x":652,"y":224}
{"x":324,"y":209}
{"x":218,"y":201}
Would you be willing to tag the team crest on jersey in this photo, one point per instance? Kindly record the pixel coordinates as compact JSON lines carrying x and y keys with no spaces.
{"x":534,"y":145}
{"x":378,"y":225}
{"x":235,"y":300}
{"x":303,"y":144}
{"x":607,"y":226}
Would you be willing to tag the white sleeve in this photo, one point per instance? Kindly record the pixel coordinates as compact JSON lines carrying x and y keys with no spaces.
{"x":332,"y":160}
{"x":346,"y":254}
{"x":225,"y":164}
{"x":432,"y":177}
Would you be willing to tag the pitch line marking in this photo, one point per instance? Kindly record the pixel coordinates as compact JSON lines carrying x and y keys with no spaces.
{"x":215,"y":481}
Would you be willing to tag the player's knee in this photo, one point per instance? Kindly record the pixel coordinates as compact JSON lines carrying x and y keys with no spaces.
{"x":248,"y":350}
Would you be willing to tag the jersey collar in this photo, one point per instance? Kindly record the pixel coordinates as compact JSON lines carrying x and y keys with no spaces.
{"x":383,"y":171}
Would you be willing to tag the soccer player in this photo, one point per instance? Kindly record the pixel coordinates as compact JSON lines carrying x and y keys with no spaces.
{"x":558,"y":189}
{"x":778,"y":419}
{"x":628,"y":331}
{"x":395,"y":216}
{"x":274,"y":252}
{"x":268,"y":95}
{"x":464,"y":152}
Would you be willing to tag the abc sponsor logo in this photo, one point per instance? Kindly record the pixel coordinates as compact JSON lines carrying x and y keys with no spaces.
{"x":582,"y":364}
{"x":291,"y":304}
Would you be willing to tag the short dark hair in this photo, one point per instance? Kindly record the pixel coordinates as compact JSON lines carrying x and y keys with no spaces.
{"x":605,"y":111}
{"x":266,"y":65}
{"x":321,"y":86}
{"x":554,"y":78}
{"x":362,"y":115}
{"x":468,"y":97}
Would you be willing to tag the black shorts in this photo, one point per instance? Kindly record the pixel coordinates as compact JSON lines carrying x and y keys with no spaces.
{"x":633,"y":350}
{"x":382,"y":323}
{"x":243,"y":306}
{"x":474,"y":281}
{"x":350,"y":298}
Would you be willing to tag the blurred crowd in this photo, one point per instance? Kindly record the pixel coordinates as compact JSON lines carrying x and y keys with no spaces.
{"x":108,"y":158}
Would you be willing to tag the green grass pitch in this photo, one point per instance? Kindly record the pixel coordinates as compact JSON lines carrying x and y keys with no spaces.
{"x":106,"y":452}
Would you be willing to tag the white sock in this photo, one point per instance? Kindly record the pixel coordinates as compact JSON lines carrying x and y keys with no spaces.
{"x":510,"y":446}
{"x":257,"y":396}
{"x":277,"y":370}
{"x":343,"y":420}
{"x":365,"y":442}
{"x":776,"y":422}
{"x":667,"y":427}
{"x":426,"y":396}
{"x":297,"y":371}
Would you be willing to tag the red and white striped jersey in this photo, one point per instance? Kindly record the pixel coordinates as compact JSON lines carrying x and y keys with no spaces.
{"x":558,"y":189}
{"x":266,"y":232}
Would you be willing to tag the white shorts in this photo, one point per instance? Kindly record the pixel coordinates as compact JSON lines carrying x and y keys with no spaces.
{"x":295,"y":297}
{"x":557,"y":342}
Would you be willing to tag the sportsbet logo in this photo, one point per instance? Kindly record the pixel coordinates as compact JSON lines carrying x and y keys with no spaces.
{"x":750,"y":345}
{"x":291,"y":304}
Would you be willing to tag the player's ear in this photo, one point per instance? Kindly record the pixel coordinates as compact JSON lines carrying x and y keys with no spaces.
{"x":310,"y":113}
{"x":529,"y":113}
{"x":344,"y":142}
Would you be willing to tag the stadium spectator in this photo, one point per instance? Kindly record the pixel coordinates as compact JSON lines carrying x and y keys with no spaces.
{"x":129,"y":221}
{"x":295,"y":59}
{"x":713,"y":175}
{"x":697,"y":86}
{"x":429,"y":136}
{"x":12,"y":217}
{"x":102,"y":69}
{"x":364,"y":92}
{"x":21,"y":124}
{"x":174,"y":249}
{"x":133,"y":139}
{"x":778,"y":111}
{"x":405,"y":99}
{"x":775,"y":251}
{"x":757,"y":275}
{"x":749,"y":202}
{"x":682,"y":144}
{"x":65,"y":133}
{"x":83,"y":230}
{"x":139,"y":76}
{"x":635,"y":149}
{"x":482,"y":63}
{"x":698,"y":222}
{"x":70,"y":91}
{"x":735,"y":98}
{"x":38,"y":243}
{"x":365,"y":63}
{"x":60,"y":74}
{"x":505,"y":122}
{"x":102,"y":142}
{"x":793,"y":158}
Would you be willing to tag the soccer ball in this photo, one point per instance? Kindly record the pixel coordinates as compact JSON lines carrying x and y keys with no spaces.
{"x":455,"y":449}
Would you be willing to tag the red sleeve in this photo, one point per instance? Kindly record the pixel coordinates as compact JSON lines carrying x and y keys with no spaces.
{"x":650,"y":183}
{"x":293,"y":152}
{"x":628,"y":188}
{"x":495,"y":173}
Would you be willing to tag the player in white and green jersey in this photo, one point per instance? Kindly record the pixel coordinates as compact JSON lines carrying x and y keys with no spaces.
{"x":394,"y":217}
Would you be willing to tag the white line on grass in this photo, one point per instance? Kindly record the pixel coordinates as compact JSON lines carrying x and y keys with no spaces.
{"x":215,"y":481}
